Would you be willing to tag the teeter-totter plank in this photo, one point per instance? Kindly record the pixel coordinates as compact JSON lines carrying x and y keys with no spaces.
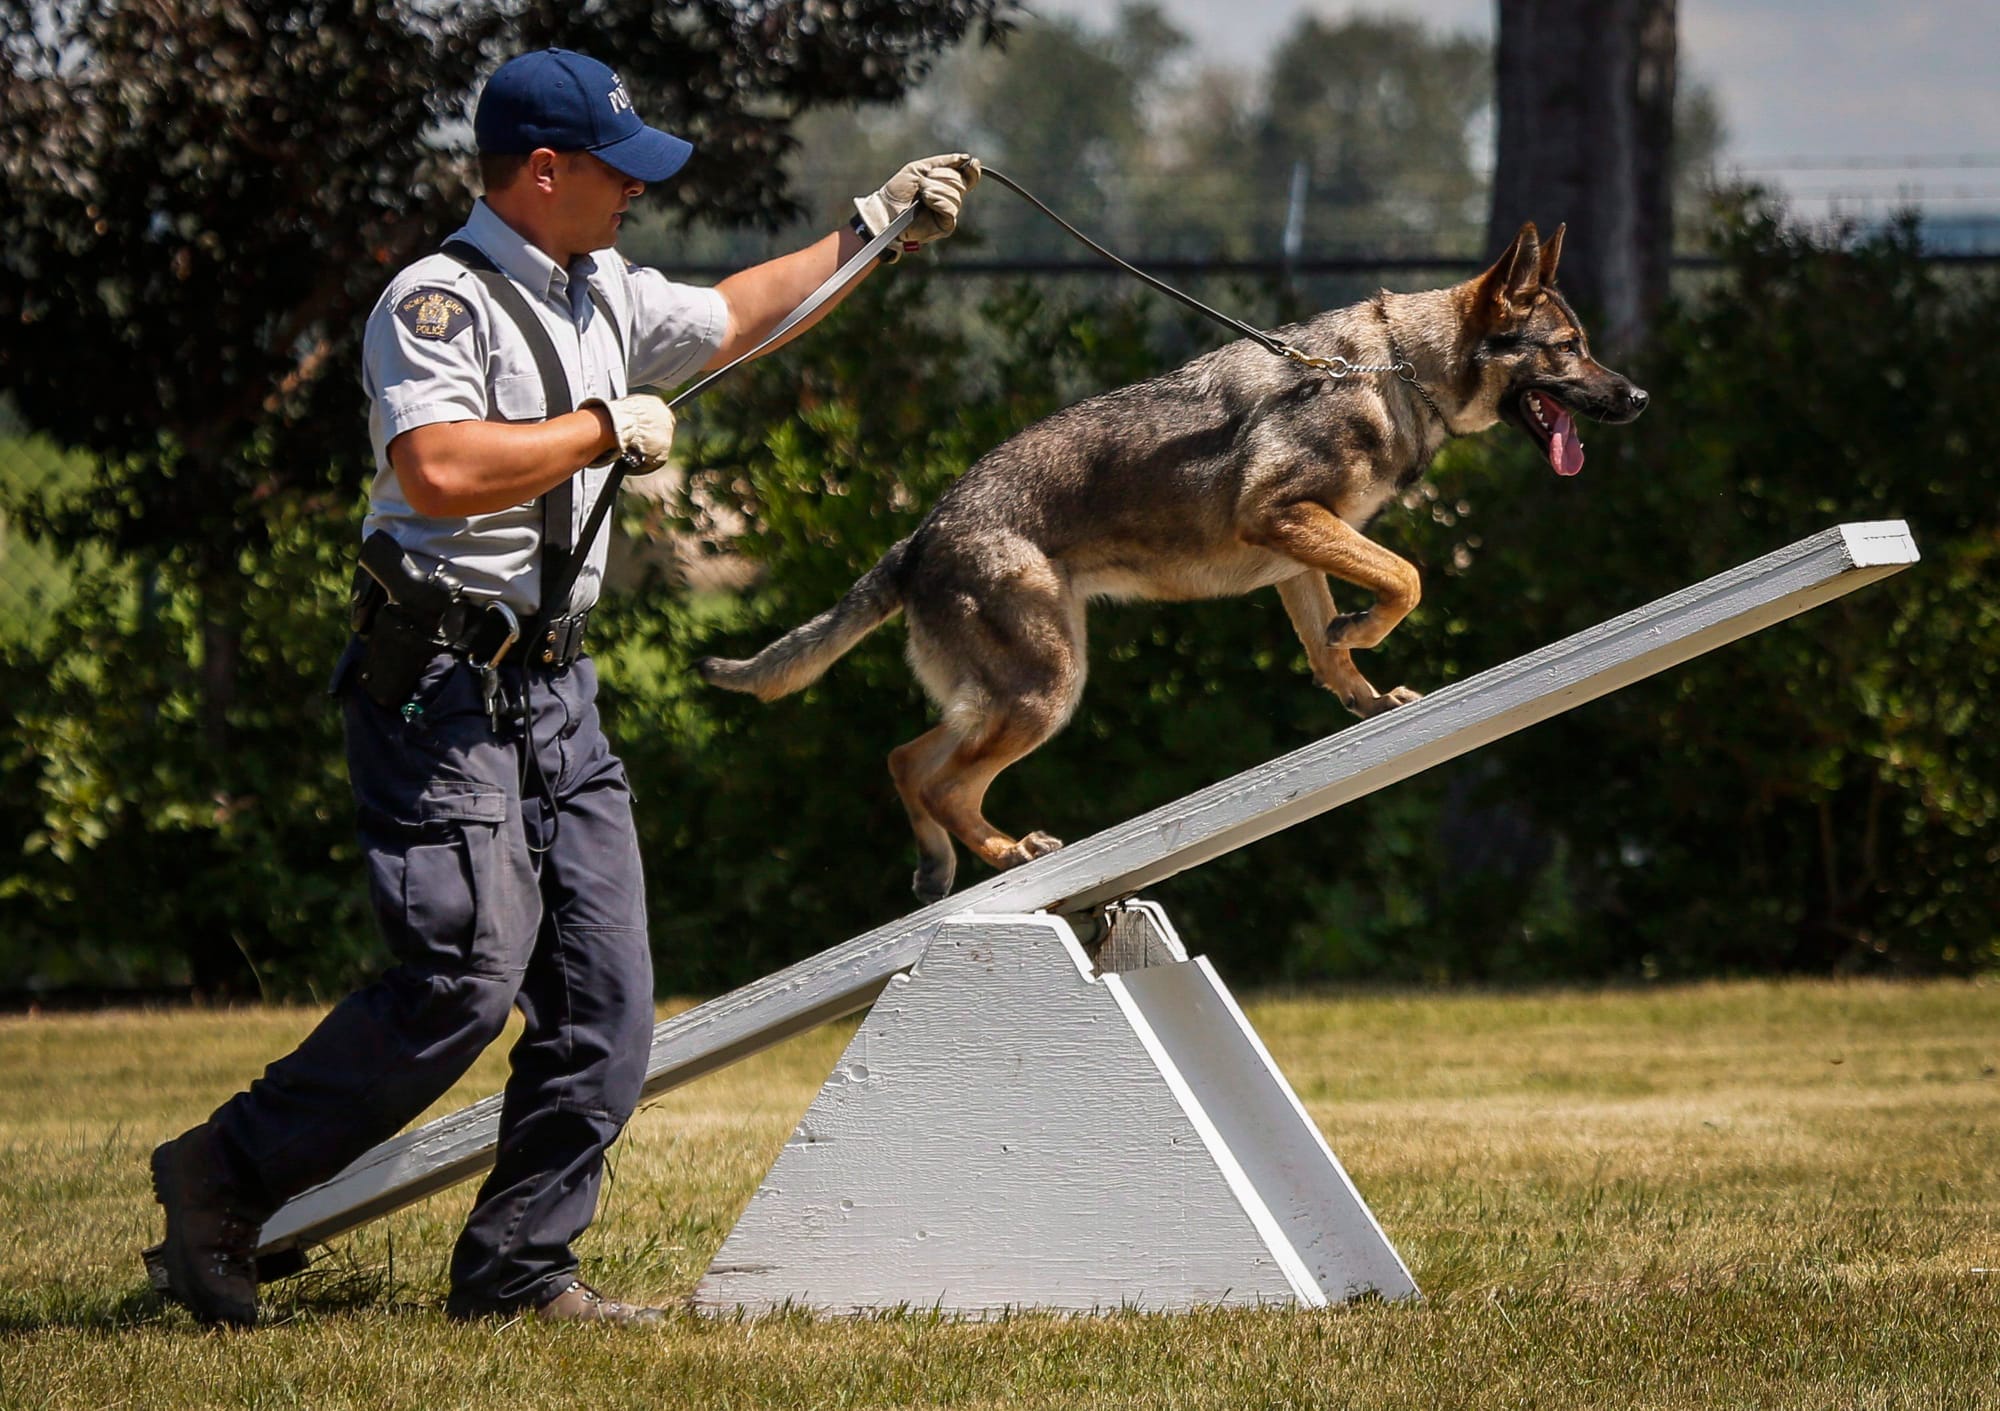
{"x":1185,"y":833}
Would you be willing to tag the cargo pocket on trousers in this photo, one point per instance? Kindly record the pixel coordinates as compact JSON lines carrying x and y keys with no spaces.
{"x":455,"y":896}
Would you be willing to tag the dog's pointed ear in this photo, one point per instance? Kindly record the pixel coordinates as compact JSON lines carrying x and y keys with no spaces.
{"x":1505,"y":288}
{"x":1552,"y":251}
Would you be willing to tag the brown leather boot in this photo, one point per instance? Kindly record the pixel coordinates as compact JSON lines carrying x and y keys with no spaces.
{"x":580,"y":1303}
{"x":210,"y":1253}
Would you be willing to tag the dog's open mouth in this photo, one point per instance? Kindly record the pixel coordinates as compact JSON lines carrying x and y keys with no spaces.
{"x":1555,"y":428}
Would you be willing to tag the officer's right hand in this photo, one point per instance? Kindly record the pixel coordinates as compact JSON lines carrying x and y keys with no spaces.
{"x":937,"y":184}
{"x":643,"y":425}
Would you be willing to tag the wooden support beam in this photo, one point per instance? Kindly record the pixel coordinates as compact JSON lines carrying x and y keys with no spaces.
{"x":1120,"y":861}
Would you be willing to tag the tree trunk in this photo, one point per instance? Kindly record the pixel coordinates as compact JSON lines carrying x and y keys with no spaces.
{"x":221,"y":644}
{"x":1585,"y":97}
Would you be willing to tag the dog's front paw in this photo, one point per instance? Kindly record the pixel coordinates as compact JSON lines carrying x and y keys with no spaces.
{"x":1388,"y":700}
{"x":1034,"y":845}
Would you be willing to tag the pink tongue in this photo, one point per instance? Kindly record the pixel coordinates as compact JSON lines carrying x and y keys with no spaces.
{"x":1565,"y":450}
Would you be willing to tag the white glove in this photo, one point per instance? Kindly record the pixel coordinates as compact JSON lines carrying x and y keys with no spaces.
{"x":643,"y":425}
{"x":938,"y":183}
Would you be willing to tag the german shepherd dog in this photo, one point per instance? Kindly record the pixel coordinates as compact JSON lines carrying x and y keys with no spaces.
{"x":1240,"y":470}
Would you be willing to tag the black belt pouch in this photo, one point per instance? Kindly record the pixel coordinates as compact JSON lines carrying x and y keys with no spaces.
{"x":397,"y":651}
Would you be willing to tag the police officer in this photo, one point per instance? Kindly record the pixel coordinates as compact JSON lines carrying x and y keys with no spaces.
{"x":494,"y":818}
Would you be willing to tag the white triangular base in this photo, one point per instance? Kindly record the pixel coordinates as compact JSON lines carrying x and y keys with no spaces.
{"x":1009,"y":1129}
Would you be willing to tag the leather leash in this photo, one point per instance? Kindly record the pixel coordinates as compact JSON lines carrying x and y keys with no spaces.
{"x":1335,"y":367}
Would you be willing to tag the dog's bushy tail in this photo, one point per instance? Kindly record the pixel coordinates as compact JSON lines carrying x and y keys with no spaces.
{"x":802,"y":655}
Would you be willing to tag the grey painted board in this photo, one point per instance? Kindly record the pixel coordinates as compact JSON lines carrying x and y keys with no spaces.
{"x":1120,"y":861}
{"x":1054,"y":1152}
{"x":459,"y":1145}
{"x":1312,"y":1201}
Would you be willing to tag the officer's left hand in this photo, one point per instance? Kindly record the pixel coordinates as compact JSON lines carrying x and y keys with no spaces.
{"x":643,"y":425}
{"x":940,"y":183}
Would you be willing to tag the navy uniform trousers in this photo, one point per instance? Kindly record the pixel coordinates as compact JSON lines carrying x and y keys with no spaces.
{"x":486,"y":905}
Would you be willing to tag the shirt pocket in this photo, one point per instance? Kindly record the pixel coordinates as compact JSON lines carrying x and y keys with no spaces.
{"x":519,"y":399}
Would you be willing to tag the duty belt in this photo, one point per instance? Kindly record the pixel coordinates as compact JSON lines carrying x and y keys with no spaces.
{"x":402,"y":637}
{"x":480,"y":631}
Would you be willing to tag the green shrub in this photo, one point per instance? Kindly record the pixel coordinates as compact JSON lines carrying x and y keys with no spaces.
{"x":136,"y":851}
{"x":1816,"y":798}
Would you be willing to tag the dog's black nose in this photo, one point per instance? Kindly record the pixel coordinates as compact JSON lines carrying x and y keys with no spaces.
{"x":1637,"y":397}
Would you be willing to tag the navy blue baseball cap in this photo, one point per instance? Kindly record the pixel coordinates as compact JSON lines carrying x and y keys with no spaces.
{"x":569,"y":102}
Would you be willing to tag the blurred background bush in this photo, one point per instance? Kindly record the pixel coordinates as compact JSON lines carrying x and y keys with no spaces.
{"x":183,"y":459}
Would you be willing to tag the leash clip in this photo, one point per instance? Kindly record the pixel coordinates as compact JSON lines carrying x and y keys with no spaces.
{"x":1337,"y":367}
{"x":1304,"y":359}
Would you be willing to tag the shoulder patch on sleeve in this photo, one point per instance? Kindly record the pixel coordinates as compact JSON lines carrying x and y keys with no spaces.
{"x":434,"y":313}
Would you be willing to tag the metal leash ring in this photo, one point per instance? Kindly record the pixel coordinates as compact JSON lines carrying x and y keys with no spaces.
{"x":1338,"y":367}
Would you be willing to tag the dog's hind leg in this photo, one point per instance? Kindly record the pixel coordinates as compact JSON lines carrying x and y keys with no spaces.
{"x":996,"y":639}
{"x":912,"y":766}
{"x":956,"y":795}
{"x":1309,"y":603}
{"x":1027,"y":686}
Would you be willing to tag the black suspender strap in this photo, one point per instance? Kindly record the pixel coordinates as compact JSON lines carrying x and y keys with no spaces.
{"x":511,"y":299}
{"x":832,"y":285}
{"x":563,"y":556}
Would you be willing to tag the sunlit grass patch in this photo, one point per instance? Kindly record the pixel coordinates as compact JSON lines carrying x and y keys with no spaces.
{"x":1716,"y":1195}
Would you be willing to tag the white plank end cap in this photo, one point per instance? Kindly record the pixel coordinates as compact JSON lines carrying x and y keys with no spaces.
{"x":1879,"y":543}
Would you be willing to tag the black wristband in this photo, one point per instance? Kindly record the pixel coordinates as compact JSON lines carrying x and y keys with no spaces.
{"x":890,"y":253}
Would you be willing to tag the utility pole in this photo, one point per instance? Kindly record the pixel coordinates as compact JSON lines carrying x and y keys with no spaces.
{"x":1295,"y":223}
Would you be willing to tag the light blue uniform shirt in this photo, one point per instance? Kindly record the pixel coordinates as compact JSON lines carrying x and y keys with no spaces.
{"x":438,"y":349}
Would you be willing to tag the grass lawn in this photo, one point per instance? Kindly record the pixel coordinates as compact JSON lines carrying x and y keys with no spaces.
{"x":1771,"y":1195}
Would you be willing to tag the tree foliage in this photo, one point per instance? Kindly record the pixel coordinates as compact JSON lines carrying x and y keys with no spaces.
{"x":1382,"y":114}
{"x":204,"y":199}
{"x":1818,"y":797}
{"x":1162,"y":153}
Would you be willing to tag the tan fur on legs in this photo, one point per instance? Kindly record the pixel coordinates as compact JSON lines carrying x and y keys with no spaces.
{"x":1309,"y":603}
{"x":1315,"y":536}
{"x":956,"y":795}
{"x":913,"y":766}
{"x":1006,"y":665}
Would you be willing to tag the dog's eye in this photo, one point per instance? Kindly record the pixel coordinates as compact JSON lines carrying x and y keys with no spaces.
{"x":1570,"y":347}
